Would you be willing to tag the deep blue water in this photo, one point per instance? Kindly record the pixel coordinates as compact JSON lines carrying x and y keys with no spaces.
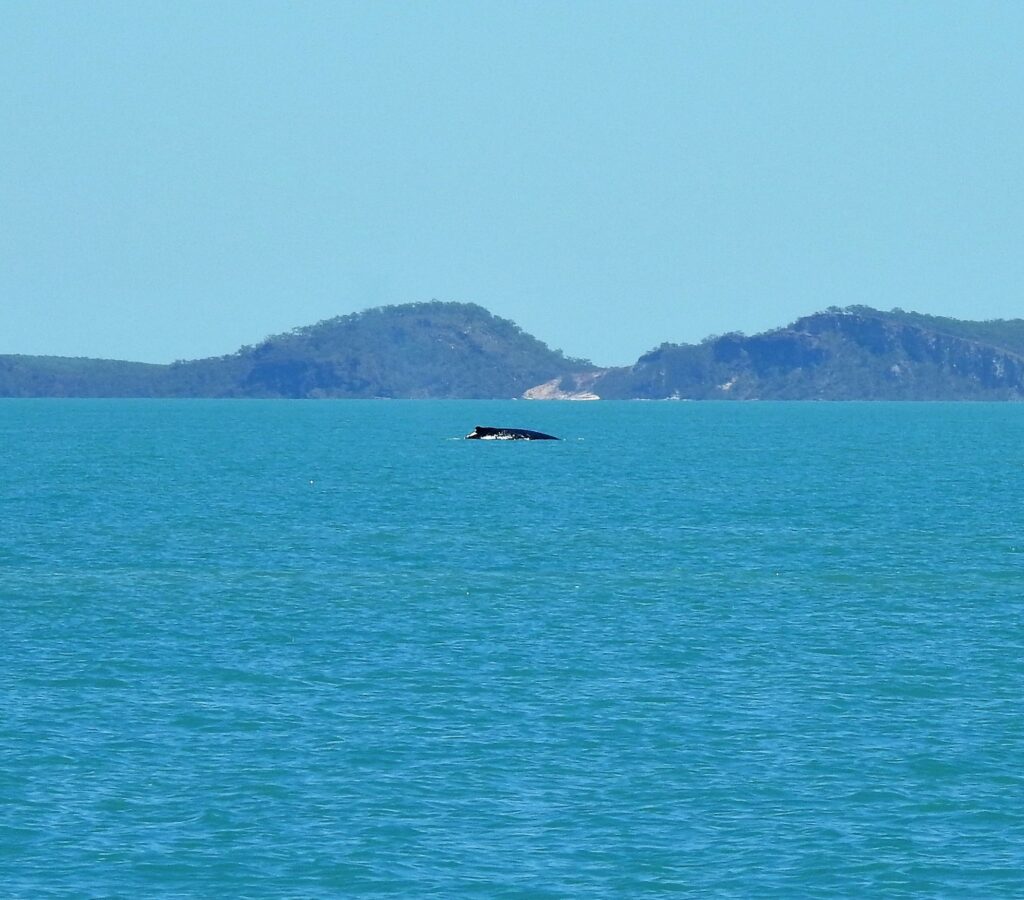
{"x":269,"y":649}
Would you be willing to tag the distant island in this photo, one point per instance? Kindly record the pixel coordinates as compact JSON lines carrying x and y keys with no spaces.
{"x":460,"y":350}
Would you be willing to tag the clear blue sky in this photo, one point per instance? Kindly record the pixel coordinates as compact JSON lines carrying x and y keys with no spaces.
{"x":181,"y":178}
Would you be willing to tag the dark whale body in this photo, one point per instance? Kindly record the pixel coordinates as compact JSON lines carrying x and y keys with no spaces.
{"x":486,"y":433}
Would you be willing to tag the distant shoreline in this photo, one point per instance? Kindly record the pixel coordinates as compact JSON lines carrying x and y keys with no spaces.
{"x":429,"y":351}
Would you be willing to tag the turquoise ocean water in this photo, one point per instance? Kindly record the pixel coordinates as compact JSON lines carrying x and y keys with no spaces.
{"x":321,"y":649}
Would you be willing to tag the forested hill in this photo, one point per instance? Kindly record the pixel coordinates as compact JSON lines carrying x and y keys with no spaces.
{"x":856,"y":353}
{"x":460,"y":350}
{"x":415,"y":350}
{"x":61,"y":376}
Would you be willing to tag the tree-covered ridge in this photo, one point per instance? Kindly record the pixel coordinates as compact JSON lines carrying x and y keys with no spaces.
{"x":58,"y":376}
{"x":856,"y":353}
{"x":1005,"y":333}
{"x":430,"y":349}
{"x":460,"y":350}
{"x":415,"y":350}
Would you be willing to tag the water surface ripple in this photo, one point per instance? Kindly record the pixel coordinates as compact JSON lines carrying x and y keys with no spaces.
{"x":322,"y":649}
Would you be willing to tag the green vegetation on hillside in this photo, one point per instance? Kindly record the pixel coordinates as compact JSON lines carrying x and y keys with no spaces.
{"x":58,"y":376}
{"x":415,"y":350}
{"x":856,"y":353}
{"x":1007,"y":334}
{"x":460,"y":350}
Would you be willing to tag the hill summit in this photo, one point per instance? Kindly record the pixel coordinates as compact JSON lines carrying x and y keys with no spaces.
{"x":418,"y":350}
{"x":856,"y":353}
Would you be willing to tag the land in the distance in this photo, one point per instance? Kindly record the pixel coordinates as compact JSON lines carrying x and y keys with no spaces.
{"x":460,"y":350}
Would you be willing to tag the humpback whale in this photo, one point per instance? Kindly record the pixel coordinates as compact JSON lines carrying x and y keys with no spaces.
{"x":486,"y":433}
